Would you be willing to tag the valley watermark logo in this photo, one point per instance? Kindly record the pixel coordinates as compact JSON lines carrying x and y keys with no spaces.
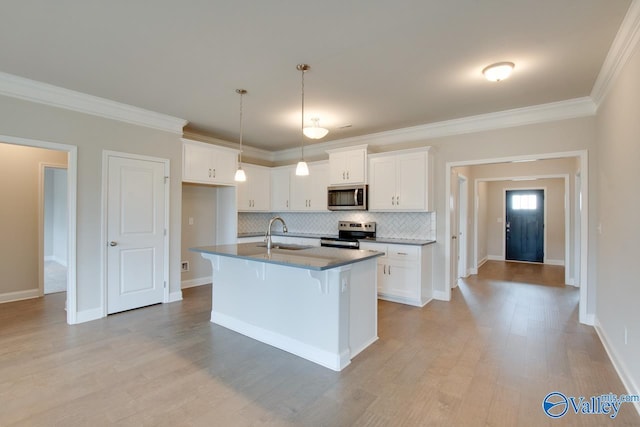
{"x":557,"y":404}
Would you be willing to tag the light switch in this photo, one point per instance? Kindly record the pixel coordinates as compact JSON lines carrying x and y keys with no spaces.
{"x":190,"y":220}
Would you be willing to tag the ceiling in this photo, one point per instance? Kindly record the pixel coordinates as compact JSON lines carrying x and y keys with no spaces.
{"x":376,"y":65}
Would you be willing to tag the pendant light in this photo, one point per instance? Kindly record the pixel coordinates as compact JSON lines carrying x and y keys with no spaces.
{"x":240,"y":175}
{"x":302,"y":169}
{"x":315,"y":131}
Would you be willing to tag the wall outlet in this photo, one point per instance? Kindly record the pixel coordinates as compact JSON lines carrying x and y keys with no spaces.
{"x":184,"y":266}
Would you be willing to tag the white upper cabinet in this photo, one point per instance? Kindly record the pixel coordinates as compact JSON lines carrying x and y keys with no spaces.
{"x":399,"y":181}
{"x":348,"y":165}
{"x":309,"y":193}
{"x":255,"y":193}
{"x":280,"y":183}
{"x":208,"y":164}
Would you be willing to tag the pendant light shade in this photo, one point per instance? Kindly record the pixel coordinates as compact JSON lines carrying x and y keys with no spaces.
{"x":302,"y":169}
{"x":315,"y":131}
{"x":240,"y":175}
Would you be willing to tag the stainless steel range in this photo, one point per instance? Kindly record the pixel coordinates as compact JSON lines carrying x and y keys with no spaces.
{"x":349,"y":233}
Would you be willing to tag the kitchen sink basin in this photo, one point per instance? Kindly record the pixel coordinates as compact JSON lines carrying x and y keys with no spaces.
{"x":285,"y":246}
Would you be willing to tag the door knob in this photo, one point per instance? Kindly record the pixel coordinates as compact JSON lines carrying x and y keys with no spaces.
{"x":112,"y":243}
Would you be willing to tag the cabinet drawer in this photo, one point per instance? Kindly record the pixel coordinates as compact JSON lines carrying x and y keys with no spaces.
{"x":404,"y":252}
{"x":366,"y":246}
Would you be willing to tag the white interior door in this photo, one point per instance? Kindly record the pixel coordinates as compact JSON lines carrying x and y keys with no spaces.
{"x":135,"y":233}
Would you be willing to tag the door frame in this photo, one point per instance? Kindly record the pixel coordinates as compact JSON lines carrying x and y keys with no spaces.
{"x":72,"y":203}
{"x":567,"y":242}
{"x":42,"y":166}
{"x":463,"y":218}
{"x":586,"y":315}
{"x":106,"y":155}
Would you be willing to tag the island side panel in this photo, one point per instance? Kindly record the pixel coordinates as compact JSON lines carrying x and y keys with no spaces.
{"x":363,"y":325}
{"x":301,"y":311}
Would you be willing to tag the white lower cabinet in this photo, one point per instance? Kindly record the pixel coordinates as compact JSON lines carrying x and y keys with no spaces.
{"x":404,"y":272}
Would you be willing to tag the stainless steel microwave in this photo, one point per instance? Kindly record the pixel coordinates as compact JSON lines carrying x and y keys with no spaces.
{"x":347,"y":198}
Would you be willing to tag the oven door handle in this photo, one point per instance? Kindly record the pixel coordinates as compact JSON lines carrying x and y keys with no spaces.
{"x":355,"y":197}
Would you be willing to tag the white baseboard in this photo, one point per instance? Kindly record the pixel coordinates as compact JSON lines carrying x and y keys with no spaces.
{"x":440,"y":296}
{"x":57,"y":260}
{"x":19,"y":295}
{"x":554,"y":262}
{"x":175,"y":296}
{"x":481,"y":263}
{"x":403,"y":300}
{"x":495,"y":258}
{"x":334,"y":361}
{"x":196,"y":282}
{"x":623,"y":372}
{"x":89,"y":315}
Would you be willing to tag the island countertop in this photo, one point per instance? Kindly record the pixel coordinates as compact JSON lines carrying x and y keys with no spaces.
{"x":311,"y":258}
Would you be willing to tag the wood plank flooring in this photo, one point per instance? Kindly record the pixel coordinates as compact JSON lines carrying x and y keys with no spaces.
{"x":508,"y":337}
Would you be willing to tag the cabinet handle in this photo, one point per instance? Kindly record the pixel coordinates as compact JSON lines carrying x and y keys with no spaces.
{"x":209,"y":172}
{"x":384,"y":269}
{"x":214,"y":172}
{"x":287,"y":203}
{"x":397,"y":200}
{"x":347,"y":174}
{"x":309,"y":202}
{"x":402,"y":253}
{"x":393,"y":200}
{"x":389,"y":270}
{"x":343,"y":176}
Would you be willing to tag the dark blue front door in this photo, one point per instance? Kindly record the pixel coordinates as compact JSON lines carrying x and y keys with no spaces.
{"x":525,"y":225}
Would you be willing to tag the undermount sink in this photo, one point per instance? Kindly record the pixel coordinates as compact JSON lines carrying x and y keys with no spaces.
{"x":285,"y":246}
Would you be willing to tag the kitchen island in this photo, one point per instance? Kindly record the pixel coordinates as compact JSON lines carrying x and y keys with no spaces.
{"x":317,"y":303}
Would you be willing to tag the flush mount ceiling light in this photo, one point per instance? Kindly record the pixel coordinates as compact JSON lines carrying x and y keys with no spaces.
{"x":498,"y":71}
{"x":240,"y":175}
{"x":315,"y":131}
{"x":302,"y":169}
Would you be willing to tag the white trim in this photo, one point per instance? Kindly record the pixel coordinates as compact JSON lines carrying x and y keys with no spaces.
{"x":175,"y":296}
{"x":72,"y":202}
{"x":442,"y":295}
{"x":199,"y":281}
{"x":19,"y":295}
{"x":106,"y":154}
{"x":562,"y":110}
{"x":495,"y":258}
{"x":621,"y":49}
{"x":89,"y":315}
{"x":416,"y":302}
{"x":618,"y":364}
{"x":555,"y":262}
{"x":334,"y":361}
{"x":55,"y":96}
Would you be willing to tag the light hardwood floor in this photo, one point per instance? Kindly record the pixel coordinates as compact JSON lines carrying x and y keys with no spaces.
{"x":488,"y":357}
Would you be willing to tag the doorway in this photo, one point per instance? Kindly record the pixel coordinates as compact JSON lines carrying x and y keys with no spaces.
{"x":55,"y":216}
{"x":524,"y":225}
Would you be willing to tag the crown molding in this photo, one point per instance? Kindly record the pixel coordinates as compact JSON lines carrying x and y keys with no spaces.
{"x":55,"y":96}
{"x":621,"y":49}
{"x":562,"y":110}
{"x":248,"y":152}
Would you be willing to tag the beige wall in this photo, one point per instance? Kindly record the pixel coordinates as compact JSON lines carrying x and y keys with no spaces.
{"x":495,"y":206}
{"x":199,"y":203}
{"x":19,"y":210}
{"x":92,"y":135}
{"x":618,"y":283}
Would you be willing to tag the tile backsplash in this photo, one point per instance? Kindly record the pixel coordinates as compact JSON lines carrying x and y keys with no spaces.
{"x":396,"y":225}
